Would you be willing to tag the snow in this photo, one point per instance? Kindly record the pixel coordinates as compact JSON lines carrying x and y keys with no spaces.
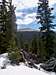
{"x":3,"y":59}
{"x":21,"y":69}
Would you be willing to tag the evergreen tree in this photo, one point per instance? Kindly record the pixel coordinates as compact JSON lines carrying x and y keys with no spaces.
{"x":21,"y":41}
{"x":45,"y":19}
{"x":7,"y":24}
{"x":26,"y":45}
{"x":13,"y":51}
{"x":34,"y":47}
{"x":3,"y":21}
{"x":12,"y":19}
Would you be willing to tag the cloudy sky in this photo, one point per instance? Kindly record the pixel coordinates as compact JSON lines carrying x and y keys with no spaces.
{"x":26,"y":13}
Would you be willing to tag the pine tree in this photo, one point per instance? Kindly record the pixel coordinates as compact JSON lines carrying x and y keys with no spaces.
{"x":3,"y":21}
{"x":34,"y":46}
{"x":45,"y":19}
{"x":12,"y":19}
{"x":26,"y":46}
{"x":7,"y":24}
{"x":21,"y":41}
{"x":13,"y":51}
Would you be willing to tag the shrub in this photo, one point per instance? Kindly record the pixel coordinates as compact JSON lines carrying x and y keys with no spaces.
{"x":15,"y":56}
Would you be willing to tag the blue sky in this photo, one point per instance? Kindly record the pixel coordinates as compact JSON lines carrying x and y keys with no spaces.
{"x":26,"y":13}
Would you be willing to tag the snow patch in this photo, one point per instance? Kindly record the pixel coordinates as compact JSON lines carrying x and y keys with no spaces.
{"x":21,"y":69}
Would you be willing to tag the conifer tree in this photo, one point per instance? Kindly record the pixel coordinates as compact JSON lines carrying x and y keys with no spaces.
{"x":21,"y":41}
{"x":3,"y":21}
{"x":7,"y":24}
{"x":12,"y":19}
{"x":45,"y":19}
{"x":34,"y":46}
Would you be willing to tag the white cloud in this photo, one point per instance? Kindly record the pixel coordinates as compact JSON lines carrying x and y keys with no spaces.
{"x":25,"y":21}
{"x":32,"y":15}
{"x":26,"y":4}
{"x":29,"y":18}
{"x":21,"y":4}
{"x":52,"y":2}
{"x":19,"y":22}
{"x":15,"y":2}
{"x":19,"y":14}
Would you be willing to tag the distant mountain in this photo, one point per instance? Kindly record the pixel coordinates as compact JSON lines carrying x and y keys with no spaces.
{"x":27,"y":34}
{"x":26,"y":29}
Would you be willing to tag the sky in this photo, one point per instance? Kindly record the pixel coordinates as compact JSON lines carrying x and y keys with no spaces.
{"x":26,"y":13}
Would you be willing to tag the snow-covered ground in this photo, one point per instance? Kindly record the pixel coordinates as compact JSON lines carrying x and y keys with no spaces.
{"x":19,"y":70}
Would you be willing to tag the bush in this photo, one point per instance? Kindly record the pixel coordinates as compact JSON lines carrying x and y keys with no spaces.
{"x":15,"y":56}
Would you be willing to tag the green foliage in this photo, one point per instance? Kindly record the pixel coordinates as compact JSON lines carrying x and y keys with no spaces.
{"x":21,"y":41}
{"x":26,"y":45}
{"x":7,"y":24}
{"x":34,"y":45}
{"x":15,"y":56}
{"x":3,"y":43}
{"x":3,"y":39}
{"x":14,"y":53}
{"x":7,"y":32}
{"x":47,"y":38}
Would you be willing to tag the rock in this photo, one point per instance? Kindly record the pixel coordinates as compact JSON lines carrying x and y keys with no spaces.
{"x":32,"y":65}
{"x":28,"y":57}
{"x":50,"y":65}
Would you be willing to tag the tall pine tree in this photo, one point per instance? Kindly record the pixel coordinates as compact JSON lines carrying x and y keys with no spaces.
{"x":7,"y":24}
{"x":3,"y":21}
{"x":46,"y":20}
{"x":34,"y":45}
